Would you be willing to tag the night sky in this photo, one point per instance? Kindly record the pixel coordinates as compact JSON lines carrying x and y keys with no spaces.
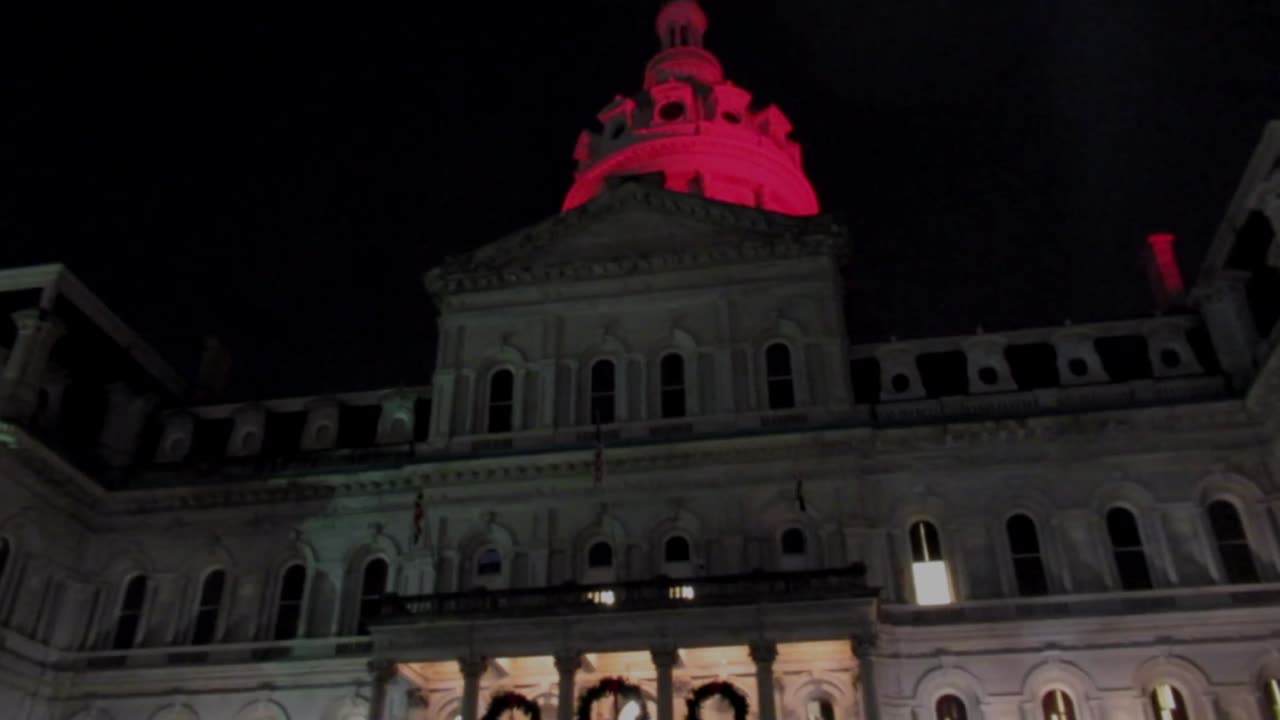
{"x":283,"y":178}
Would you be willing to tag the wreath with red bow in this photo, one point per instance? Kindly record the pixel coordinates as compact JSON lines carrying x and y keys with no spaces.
{"x":725,"y":690}
{"x":622,"y":691}
{"x":502,"y":702}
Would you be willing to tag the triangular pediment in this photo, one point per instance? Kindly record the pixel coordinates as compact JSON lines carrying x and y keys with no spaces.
{"x":630,"y":228}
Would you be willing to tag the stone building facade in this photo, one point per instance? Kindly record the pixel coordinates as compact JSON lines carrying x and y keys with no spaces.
{"x":652,"y":478}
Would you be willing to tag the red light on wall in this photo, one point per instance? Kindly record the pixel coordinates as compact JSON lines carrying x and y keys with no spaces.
{"x":1166,"y":277}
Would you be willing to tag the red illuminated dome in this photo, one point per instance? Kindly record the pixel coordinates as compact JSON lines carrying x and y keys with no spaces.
{"x":695,"y":128}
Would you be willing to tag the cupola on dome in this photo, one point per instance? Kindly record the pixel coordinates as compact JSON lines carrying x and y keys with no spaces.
{"x":694,"y":128}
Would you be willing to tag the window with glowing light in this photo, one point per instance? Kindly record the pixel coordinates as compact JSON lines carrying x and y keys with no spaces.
{"x":293,"y":586}
{"x":1057,"y":705}
{"x":372,"y":587}
{"x":209,"y":607}
{"x":1271,"y":689}
{"x":1126,"y":548}
{"x":502,"y":386}
{"x":489,"y":562}
{"x":1024,"y":548}
{"x":1233,"y":544}
{"x":671,"y":380}
{"x":1167,"y":703}
{"x":629,"y":711}
{"x":681,"y":592}
{"x":794,"y":542}
{"x":950,"y":707}
{"x":603,"y":391}
{"x":129,"y":619}
{"x":778,"y":376}
{"x":600,"y":555}
{"x":602,"y":597}
{"x":928,"y":570}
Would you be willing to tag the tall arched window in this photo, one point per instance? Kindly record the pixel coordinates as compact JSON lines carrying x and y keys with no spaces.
{"x":779,"y":377}
{"x":1126,"y":547}
{"x":1024,"y":547}
{"x":1233,"y":544}
{"x":676,"y":549}
{"x":1057,"y":705}
{"x":1167,"y":703}
{"x":209,"y":609}
{"x":1271,"y":689}
{"x":489,"y":562}
{"x":928,"y":569}
{"x":671,"y":381}
{"x":794,"y":542}
{"x":950,"y":707}
{"x":502,"y":392}
{"x":604,"y":383}
{"x":129,"y":620}
{"x":819,"y":709}
{"x":600,"y":555}
{"x":293,"y":586}
{"x":372,"y":587}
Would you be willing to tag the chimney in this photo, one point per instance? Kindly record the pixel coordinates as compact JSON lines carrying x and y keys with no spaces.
{"x":215,"y":371}
{"x":1163,"y":272}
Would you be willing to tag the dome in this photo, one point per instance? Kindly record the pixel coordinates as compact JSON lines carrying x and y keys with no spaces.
{"x":696,"y":129}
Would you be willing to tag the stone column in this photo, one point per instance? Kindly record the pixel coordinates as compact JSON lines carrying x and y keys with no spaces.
{"x":22,"y":373}
{"x":864,"y":648}
{"x":664,"y":659}
{"x":763,"y":653}
{"x":382,"y":671}
{"x":472,"y":669}
{"x":567,"y":664}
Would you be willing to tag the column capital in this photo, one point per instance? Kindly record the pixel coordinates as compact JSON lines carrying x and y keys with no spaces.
{"x":664,"y":656}
{"x":473,"y":667}
{"x":382,"y":669}
{"x":763,"y":652}
{"x":568,"y":661}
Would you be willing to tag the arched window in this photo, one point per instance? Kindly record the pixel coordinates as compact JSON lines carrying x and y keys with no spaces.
{"x":778,"y":375}
{"x":372,"y":587}
{"x":819,"y":709}
{"x":1233,"y":544}
{"x":129,"y":620}
{"x":489,"y":562}
{"x":676,"y":549}
{"x":1167,"y":703}
{"x":794,"y":542}
{"x":600,"y":555}
{"x":502,"y":392}
{"x":4,"y":556}
{"x":1272,"y":692}
{"x":1126,"y":546}
{"x":293,"y":586}
{"x":1057,"y":705}
{"x":671,"y":380}
{"x":928,"y":569}
{"x":1024,"y":547}
{"x":209,"y":609}
{"x":604,"y":382}
{"x":950,"y":707}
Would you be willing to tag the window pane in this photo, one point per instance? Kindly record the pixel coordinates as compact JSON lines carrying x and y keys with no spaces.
{"x":287,"y":621}
{"x":1029,"y":573}
{"x":1237,"y":562}
{"x":1022,"y":535}
{"x":600,"y":555}
{"x":126,"y":631}
{"x":4,"y":555}
{"x":1167,"y":703}
{"x":1057,"y":705}
{"x":500,"y":418}
{"x":782,"y":395}
{"x":1132,"y":568}
{"x":602,"y":409}
{"x":501,"y":386}
{"x":375,"y":578}
{"x":1273,"y":698}
{"x":206,"y":626}
{"x":211,"y":593}
{"x":1122,"y":528}
{"x":924,"y":542}
{"x":293,"y":584}
{"x":135,"y":594}
{"x":793,"y":542}
{"x":1225,"y":521}
{"x":676,"y":550}
{"x":602,"y":377}
{"x":489,"y":562}
{"x":932,"y":583}
{"x":672,"y":370}
{"x":673,"y":403}
{"x":777,"y":361}
{"x":950,"y":707}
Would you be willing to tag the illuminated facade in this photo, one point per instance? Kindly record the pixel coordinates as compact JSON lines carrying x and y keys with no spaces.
{"x":652,"y":479}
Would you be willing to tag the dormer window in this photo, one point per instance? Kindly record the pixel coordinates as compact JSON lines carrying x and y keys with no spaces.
{"x":501,"y":401}
{"x":604,"y":380}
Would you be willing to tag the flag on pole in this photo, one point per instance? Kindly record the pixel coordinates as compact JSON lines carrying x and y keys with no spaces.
{"x":599,"y":459}
{"x":418,"y":514}
{"x":800,"y":493}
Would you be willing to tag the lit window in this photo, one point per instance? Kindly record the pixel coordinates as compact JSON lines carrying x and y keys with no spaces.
{"x":819,"y":710}
{"x":129,"y":620}
{"x":1167,"y":703}
{"x":681,"y":592}
{"x":600,"y":555}
{"x":603,"y":388}
{"x":793,"y":542}
{"x":209,"y":609}
{"x":676,"y":549}
{"x":1024,"y":547}
{"x":602,"y":597}
{"x":630,"y":711}
{"x":489,"y":562}
{"x":950,"y":707}
{"x":372,"y":587}
{"x":293,"y":586}
{"x":1233,"y":544}
{"x":671,"y":379}
{"x":1126,"y":547}
{"x":502,"y":387}
{"x":1057,"y":705}
{"x":1273,"y":698}
{"x":928,"y":569}
{"x":778,"y":376}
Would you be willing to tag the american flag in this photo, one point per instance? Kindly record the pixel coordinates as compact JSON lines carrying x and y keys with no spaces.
{"x":599,"y":464}
{"x":418,"y":514}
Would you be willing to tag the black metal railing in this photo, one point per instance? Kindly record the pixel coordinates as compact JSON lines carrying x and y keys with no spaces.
{"x":655,"y":594}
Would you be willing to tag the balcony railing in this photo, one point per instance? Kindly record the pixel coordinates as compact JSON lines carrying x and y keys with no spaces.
{"x":660,"y":593}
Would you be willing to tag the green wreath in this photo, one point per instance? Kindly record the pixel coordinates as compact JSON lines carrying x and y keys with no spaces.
{"x":622,"y":691}
{"x":717,"y":687}
{"x":502,"y":702}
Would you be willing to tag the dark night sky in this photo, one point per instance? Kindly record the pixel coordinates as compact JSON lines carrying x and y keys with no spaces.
{"x":283,"y":180}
